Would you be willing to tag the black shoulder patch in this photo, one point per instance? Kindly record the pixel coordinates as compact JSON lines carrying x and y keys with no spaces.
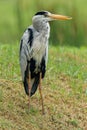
{"x":30,"y":40}
{"x":21,"y":44}
{"x":41,"y":13}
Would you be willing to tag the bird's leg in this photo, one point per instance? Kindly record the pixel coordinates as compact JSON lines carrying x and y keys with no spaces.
{"x":29,"y":88}
{"x":40,"y":90}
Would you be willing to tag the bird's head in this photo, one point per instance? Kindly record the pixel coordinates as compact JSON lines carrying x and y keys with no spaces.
{"x":47,"y":16}
{"x":40,"y":19}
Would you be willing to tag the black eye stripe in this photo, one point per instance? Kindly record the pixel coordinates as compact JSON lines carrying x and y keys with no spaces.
{"x":41,"y":13}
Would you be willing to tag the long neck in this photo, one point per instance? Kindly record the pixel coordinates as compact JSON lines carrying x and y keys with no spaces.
{"x":42,"y":27}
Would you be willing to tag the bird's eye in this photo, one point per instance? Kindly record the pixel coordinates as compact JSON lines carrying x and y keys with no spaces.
{"x":45,"y":15}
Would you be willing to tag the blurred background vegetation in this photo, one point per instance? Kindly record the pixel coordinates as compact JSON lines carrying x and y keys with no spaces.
{"x":16,"y":15}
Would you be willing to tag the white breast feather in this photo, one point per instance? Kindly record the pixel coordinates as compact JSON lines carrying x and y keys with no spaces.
{"x":39,"y":48}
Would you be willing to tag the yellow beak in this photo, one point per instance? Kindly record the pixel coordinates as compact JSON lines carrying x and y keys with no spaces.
{"x":59,"y":17}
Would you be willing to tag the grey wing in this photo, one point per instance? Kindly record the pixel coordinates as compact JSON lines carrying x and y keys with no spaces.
{"x":46,"y":56}
{"x":25,"y":50}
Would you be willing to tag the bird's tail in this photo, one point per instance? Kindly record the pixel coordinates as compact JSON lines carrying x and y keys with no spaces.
{"x":34,"y":85}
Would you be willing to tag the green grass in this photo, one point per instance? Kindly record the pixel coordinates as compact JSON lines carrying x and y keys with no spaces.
{"x":65,"y":91}
{"x":9,"y":62}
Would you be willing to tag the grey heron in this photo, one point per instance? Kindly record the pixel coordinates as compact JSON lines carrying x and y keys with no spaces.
{"x":34,"y":51}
